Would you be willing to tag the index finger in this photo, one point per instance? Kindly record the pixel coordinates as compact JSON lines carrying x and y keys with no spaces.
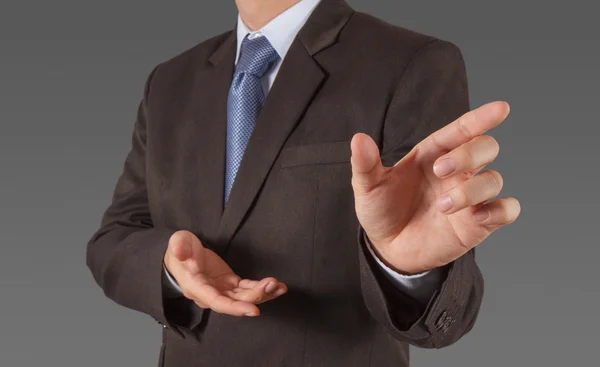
{"x":471,"y":124}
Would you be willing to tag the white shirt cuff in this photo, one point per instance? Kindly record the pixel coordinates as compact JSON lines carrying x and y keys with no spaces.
{"x":174,"y":288}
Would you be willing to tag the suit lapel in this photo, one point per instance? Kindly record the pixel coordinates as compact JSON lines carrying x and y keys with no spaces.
{"x":297,"y":81}
{"x":208,"y":113}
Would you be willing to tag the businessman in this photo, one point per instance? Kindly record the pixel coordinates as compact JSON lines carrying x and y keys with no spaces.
{"x":306,"y":189}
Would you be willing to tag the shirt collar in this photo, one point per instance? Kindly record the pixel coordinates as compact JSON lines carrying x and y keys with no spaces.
{"x":282,"y":30}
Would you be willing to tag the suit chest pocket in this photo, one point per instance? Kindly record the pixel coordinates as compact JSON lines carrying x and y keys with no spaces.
{"x":314,"y":154}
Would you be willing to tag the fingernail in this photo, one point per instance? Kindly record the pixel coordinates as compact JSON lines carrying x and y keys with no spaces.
{"x":270,"y":287}
{"x":444,"y":167}
{"x":251,"y":314}
{"x":481,"y":215}
{"x":444,"y":203}
{"x":279,"y":291}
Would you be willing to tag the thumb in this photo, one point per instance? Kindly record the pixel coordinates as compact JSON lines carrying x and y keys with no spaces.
{"x":181,"y":245}
{"x":367,"y":169}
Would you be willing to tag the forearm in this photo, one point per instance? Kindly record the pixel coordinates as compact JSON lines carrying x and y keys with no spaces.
{"x":126,"y":253}
{"x":127,"y":264}
{"x":449,"y":313}
{"x":437,"y":71}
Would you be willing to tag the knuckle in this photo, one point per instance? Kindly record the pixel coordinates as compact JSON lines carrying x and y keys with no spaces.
{"x":467,"y":156}
{"x":432,"y":139}
{"x":459,"y":196}
{"x":466,"y":175}
{"x":494,"y":181}
{"x":462,"y":123}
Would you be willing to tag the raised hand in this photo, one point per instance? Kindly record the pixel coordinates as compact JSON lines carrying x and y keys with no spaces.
{"x":432,"y":206}
{"x":208,"y":281}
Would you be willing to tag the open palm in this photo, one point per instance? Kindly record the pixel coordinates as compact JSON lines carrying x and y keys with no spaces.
{"x":207,"y":280}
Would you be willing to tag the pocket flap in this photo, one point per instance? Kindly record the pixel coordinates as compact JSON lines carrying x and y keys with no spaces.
{"x":320,"y":153}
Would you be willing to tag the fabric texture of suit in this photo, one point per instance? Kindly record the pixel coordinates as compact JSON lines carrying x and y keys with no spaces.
{"x":290,"y":213}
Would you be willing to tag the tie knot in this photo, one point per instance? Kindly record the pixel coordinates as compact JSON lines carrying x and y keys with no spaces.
{"x":256,"y":56}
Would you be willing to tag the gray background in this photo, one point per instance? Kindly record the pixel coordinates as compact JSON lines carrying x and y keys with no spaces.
{"x":71,"y":75}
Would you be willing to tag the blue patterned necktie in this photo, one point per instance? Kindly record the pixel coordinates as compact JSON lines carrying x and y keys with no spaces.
{"x":245,"y":100}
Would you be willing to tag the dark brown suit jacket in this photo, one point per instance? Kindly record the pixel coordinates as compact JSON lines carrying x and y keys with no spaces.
{"x":291,"y":210}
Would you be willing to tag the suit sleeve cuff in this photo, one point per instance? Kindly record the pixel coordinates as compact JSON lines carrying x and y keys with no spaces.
{"x":420,"y":286}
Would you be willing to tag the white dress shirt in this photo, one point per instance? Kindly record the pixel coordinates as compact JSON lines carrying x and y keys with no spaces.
{"x":281,"y":32}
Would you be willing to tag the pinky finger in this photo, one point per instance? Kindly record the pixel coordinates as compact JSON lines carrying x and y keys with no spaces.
{"x":498,"y":212}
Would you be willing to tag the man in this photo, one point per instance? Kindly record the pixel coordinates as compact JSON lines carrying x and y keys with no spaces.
{"x":316,"y":162}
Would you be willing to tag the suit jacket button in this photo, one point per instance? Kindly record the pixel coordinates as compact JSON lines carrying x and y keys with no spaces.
{"x":441,"y":321}
{"x":447,"y":324}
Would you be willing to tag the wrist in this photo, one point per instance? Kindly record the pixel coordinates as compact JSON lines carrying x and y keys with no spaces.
{"x":405,"y":269}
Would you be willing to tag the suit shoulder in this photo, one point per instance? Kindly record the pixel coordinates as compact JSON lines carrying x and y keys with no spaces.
{"x":189,"y":60}
{"x":385,"y":38}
